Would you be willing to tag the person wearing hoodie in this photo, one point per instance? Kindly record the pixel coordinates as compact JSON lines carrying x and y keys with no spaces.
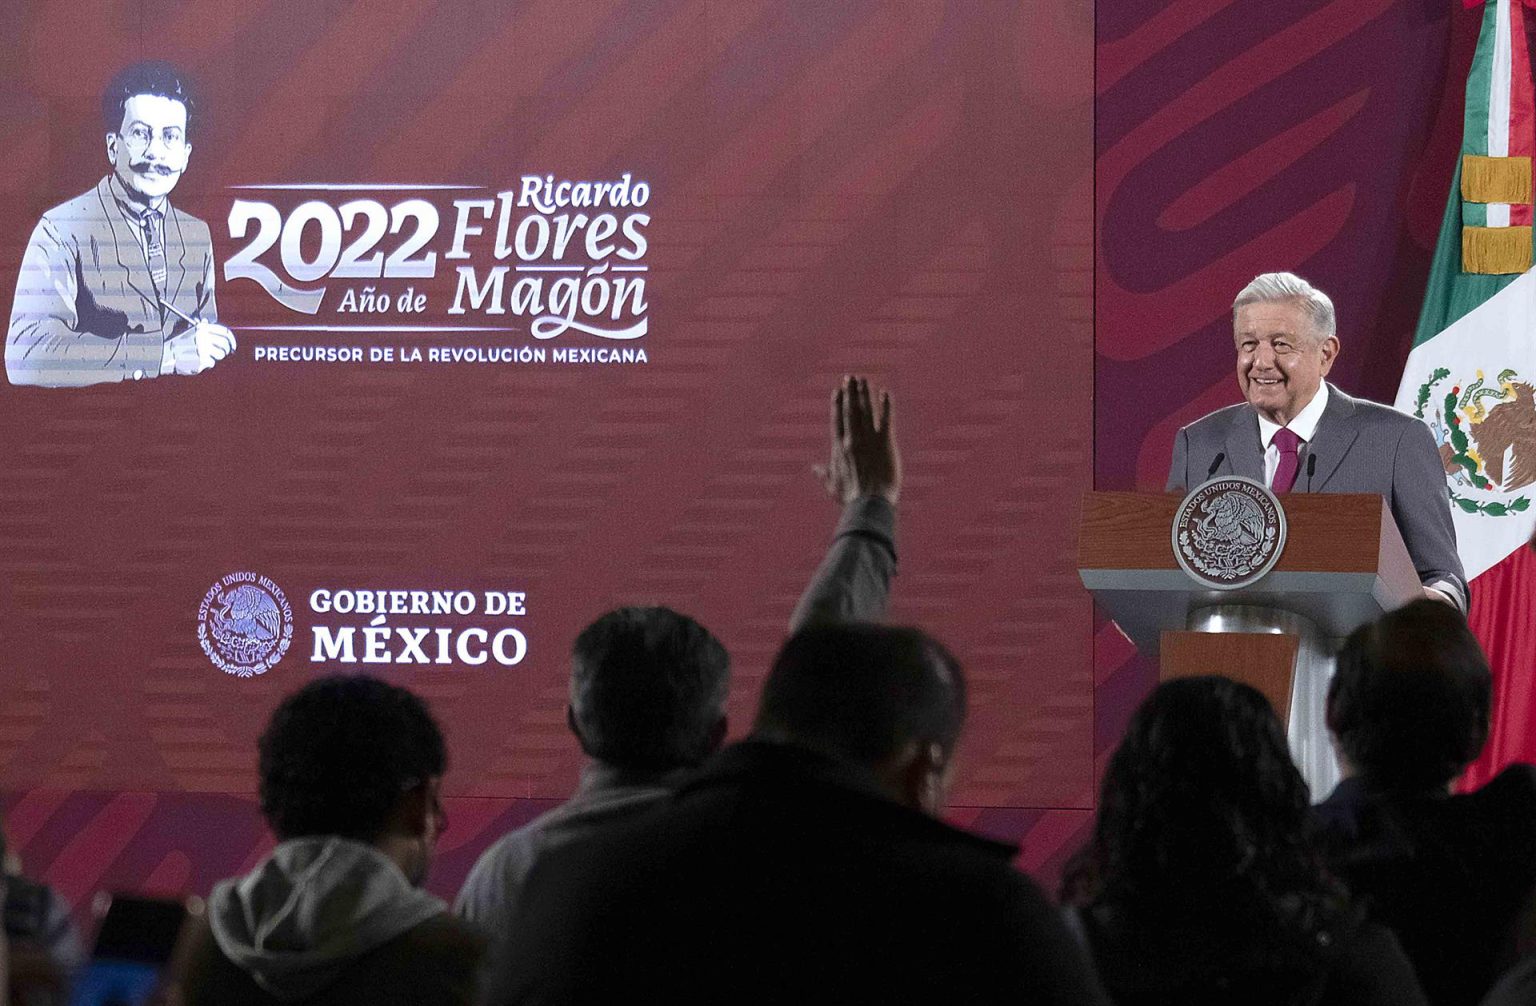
{"x":350,"y":771}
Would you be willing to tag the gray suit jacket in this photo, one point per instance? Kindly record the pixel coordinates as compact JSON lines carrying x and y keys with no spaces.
{"x":1360,"y":447}
{"x":86,"y":310}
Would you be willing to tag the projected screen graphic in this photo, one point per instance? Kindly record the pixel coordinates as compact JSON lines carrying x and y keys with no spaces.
{"x":405,"y":343}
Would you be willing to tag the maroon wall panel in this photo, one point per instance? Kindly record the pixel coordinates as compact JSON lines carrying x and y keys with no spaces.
{"x":897,"y":188}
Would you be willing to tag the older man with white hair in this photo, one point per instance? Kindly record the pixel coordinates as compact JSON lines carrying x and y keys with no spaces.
{"x":1298,"y":433}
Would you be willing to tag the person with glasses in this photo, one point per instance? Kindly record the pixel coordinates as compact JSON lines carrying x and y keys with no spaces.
{"x":118,"y":284}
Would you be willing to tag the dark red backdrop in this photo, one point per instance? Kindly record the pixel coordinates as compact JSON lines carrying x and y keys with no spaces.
{"x":901,"y":188}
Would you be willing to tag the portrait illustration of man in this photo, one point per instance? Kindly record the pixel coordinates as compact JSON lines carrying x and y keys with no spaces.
{"x":117,"y":284}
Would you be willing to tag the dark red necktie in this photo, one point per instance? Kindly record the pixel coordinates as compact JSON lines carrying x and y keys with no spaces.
{"x":1285,"y":475}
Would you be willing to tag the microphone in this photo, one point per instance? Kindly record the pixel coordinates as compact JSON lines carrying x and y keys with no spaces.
{"x":1311,"y":469}
{"x":1220,"y":457}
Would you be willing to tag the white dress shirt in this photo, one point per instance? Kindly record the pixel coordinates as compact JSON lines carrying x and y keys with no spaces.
{"x":1303,"y":424}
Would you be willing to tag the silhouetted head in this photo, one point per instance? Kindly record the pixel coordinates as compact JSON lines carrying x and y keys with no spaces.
{"x":1200,"y":800}
{"x":1409,"y":703}
{"x":648,"y":689}
{"x":888,"y":700}
{"x":355,"y":757}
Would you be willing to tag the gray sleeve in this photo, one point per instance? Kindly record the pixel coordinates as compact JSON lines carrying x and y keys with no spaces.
{"x":494,"y":886}
{"x":853,"y":582}
{"x":48,"y":342}
{"x":1178,"y":471}
{"x":1422,"y":509}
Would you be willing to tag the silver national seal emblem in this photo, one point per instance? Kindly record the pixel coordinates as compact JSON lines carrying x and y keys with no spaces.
{"x":245,"y":624}
{"x":1228,"y":532}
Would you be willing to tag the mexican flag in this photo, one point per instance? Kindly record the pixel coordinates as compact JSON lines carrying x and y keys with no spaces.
{"x":1472,"y":372}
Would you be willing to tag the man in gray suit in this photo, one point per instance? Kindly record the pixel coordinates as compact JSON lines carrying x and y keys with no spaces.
{"x":1298,"y":433}
{"x":117,"y":284}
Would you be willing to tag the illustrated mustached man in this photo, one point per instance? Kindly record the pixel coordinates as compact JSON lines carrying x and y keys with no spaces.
{"x":117,"y":284}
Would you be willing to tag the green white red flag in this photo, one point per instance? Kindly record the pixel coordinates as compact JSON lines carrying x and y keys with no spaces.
{"x":1471,"y":374}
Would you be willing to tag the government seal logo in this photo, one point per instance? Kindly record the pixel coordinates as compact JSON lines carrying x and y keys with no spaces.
{"x":245,"y":624}
{"x":1487,"y":438}
{"x":1228,"y":532}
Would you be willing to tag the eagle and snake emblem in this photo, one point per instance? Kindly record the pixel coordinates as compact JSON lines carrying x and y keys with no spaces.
{"x":1229,"y":532}
{"x":1486,"y":432}
{"x":245,"y":624}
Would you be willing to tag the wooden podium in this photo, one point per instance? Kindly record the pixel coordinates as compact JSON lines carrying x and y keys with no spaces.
{"x":1344,"y":564}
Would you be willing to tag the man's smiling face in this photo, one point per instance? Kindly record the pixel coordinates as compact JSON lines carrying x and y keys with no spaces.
{"x":1281,"y":360}
{"x":149,"y":151}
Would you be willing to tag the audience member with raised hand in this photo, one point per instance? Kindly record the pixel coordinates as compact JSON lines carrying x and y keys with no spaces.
{"x":1454,"y":875}
{"x":1199,"y":884}
{"x":648,"y":685}
{"x":805,"y":864}
{"x":350,"y":771}
{"x":863,"y":476}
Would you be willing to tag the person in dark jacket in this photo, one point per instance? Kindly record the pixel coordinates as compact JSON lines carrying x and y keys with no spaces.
{"x":1199,"y":884}
{"x":1453,"y":874}
{"x":350,"y":769}
{"x":803,"y":865}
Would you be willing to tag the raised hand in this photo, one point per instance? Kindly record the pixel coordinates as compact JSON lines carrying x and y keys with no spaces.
{"x":864,"y":459}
